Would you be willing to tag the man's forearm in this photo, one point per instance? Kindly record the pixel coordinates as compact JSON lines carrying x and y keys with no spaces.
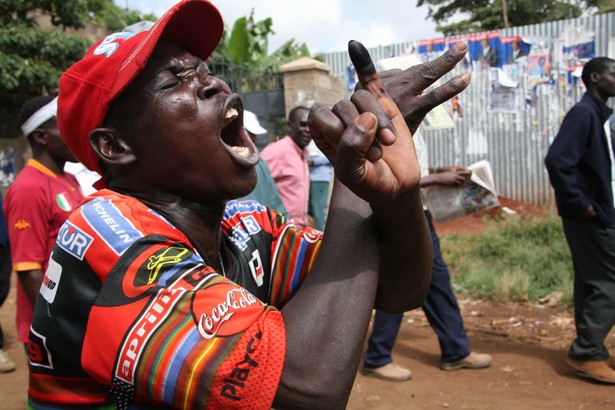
{"x":31,"y":281}
{"x":427,"y":180}
{"x":340,"y":288}
{"x":405,"y":255}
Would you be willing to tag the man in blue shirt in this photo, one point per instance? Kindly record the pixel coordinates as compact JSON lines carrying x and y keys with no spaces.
{"x":321,"y":172}
{"x":581,"y":168}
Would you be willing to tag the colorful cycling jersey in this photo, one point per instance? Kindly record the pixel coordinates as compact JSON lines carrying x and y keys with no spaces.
{"x":130,"y":314}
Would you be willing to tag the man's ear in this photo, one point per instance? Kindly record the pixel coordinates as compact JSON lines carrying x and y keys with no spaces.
{"x":593,"y":76}
{"x":39,"y":136}
{"x":111,"y":148}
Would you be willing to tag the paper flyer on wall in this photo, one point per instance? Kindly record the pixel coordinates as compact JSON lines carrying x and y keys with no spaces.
{"x":476,"y":194}
{"x":438,"y":118}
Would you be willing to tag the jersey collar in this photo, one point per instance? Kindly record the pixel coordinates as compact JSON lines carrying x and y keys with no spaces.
{"x":35,"y":164}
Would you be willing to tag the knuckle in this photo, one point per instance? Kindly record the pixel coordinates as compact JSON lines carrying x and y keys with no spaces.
{"x":433,"y":98}
{"x":341,"y":106}
{"x":360,"y":95}
{"x":430,"y":72}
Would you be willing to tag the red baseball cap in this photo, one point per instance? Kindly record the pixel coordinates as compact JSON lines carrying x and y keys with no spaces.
{"x":89,"y":86}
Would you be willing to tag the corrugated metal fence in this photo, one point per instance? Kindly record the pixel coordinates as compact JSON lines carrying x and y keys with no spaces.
{"x":515,"y":143}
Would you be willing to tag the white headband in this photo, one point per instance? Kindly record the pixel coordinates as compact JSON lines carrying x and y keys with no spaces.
{"x":43,"y":115}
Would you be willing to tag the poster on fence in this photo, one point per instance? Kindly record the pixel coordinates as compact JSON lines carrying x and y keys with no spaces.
{"x":539,"y":65}
{"x":504,"y":94}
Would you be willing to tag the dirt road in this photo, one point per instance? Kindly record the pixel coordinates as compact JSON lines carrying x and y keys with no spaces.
{"x":528,"y":344}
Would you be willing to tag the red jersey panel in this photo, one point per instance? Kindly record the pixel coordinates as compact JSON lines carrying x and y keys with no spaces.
{"x":36,"y":205}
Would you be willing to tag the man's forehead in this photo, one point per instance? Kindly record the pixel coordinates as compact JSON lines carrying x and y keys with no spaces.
{"x":301,"y":115}
{"x":169,"y":53}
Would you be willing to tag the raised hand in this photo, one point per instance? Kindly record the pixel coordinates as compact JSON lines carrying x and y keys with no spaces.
{"x":367,"y":138}
{"x":406,"y":87}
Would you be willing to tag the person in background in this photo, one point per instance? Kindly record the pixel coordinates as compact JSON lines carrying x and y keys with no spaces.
{"x":6,"y":364}
{"x":265,"y":191}
{"x":321,"y":174}
{"x":581,"y":168}
{"x":516,"y":53}
{"x":540,"y":69}
{"x":440,"y":307}
{"x":37,"y":204}
{"x":287,"y":160}
{"x":489,"y":55}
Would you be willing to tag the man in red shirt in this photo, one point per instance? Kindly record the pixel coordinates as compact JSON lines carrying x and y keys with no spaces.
{"x":287,"y":160}
{"x":38,"y":203}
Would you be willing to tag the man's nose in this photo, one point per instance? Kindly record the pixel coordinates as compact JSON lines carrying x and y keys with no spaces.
{"x":211,"y":86}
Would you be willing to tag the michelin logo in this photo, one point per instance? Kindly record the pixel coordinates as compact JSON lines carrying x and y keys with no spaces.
{"x":73,"y":240}
{"x":113,"y":227}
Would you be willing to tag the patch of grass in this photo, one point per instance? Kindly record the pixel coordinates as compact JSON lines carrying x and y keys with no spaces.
{"x":512,"y":260}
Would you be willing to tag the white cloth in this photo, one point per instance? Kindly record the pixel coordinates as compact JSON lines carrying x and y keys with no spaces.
{"x":607,"y":133}
{"x":85,"y":177}
{"x":420,"y":147}
{"x":44,"y":114}
{"x":421,"y":152}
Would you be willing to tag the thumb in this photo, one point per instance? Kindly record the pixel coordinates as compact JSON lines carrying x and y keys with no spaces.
{"x":354,"y":147}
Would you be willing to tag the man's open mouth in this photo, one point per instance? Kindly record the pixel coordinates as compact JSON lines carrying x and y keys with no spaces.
{"x":232,"y":133}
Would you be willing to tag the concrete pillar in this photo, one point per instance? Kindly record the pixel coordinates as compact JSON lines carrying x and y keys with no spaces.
{"x":307,"y":81}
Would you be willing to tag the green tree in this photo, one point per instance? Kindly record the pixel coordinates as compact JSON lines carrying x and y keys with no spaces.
{"x":243,"y":53}
{"x":485,"y":15}
{"x":31,"y":58}
{"x":603,"y":6}
{"x":115,"y":18}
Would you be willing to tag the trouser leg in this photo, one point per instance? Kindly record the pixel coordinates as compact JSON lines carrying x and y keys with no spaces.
{"x":592,"y":247}
{"x":441,"y":307}
{"x":5,"y":280}
{"x":382,"y":339}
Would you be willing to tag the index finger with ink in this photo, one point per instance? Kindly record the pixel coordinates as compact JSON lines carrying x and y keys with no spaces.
{"x":370,"y":80}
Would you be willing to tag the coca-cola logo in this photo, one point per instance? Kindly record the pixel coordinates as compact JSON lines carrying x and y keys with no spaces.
{"x":226,"y":310}
{"x":312,"y":235}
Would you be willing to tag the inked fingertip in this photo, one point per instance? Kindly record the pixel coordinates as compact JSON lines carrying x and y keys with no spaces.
{"x":360,"y":58}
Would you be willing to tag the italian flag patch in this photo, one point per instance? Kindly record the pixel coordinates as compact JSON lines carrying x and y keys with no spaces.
{"x":63,"y":202}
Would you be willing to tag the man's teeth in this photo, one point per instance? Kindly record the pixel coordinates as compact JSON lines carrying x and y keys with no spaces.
{"x":243,"y":151}
{"x":231,"y":113}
